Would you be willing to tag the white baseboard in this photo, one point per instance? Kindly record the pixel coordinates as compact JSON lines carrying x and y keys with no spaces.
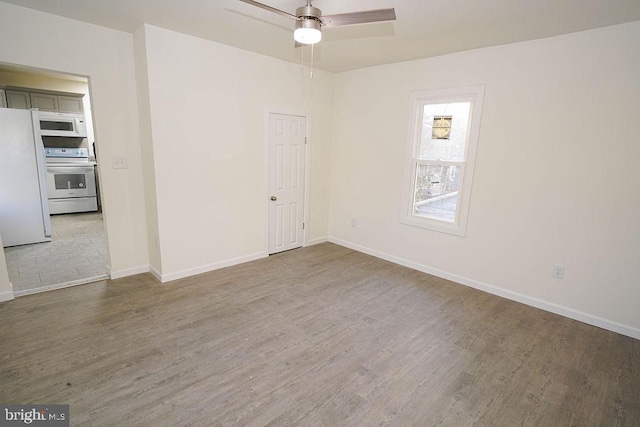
{"x":210,"y":267}
{"x":128,"y":272}
{"x":317,"y":241}
{"x":514,"y":296}
{"x":7,"y":295}
{"x":155,"y":273}
{"x":61,"y":285}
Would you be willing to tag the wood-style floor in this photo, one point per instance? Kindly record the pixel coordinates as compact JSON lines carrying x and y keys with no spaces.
{"x":316,"y":336}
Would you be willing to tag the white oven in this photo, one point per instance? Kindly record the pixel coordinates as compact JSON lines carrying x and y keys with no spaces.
{"x":71,"y":182}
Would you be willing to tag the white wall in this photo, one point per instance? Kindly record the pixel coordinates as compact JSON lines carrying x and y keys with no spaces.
{"x":34,"y":39}
{"x":556,"y":179}
{"x":146,"y":144}
{"x":207,"y":109}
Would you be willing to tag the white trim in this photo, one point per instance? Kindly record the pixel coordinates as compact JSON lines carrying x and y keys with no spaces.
{"x":210,"y":267}
{"x":155,"y":273}
{"x":307,"y":179}
{"x":128,"y":272}
{"x":265,"y":233}
{"x":317,"y":241}
{"x":7,"y":295}
{"x":514,"y":296}
{"x":307,"y":168}
{"x":62,"y":285}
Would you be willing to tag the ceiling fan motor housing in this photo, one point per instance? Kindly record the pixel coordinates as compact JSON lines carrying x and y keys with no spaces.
{"x":309,"y":12}
{"x":309,"y":25}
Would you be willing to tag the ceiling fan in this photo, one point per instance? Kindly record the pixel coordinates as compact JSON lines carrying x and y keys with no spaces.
{"x":309,"y":19}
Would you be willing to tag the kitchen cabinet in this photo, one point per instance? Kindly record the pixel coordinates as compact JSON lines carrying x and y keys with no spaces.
{"x":45,"y":101}
{"x":3,"y":99}
{"x":57,"y":103}
{"x":70,"y":104}
{"x":18,"y":99}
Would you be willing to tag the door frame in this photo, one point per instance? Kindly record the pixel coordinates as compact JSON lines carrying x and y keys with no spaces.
{"x":307,"y":168}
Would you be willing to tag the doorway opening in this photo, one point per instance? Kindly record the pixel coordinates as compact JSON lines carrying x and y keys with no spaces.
{"x":73,"y":249}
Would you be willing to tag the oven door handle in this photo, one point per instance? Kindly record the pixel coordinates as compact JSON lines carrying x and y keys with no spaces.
{"x":74,"y":168}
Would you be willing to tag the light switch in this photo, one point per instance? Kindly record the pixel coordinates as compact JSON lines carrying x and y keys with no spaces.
{"x":119,"y":162}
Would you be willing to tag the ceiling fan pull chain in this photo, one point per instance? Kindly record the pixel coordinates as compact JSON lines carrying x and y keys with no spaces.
{"x":311,"y":73}
{"x":302,"y":63}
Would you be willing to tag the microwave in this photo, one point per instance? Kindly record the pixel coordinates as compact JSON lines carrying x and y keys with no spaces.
{"x":62,"y":124}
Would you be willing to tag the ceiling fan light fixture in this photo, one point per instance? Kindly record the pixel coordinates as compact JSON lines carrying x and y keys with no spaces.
{"x":307,"y":31}
{"x":310,"y":20}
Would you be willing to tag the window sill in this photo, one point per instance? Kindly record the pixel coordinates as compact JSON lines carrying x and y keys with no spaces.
{"x":435,"y":225}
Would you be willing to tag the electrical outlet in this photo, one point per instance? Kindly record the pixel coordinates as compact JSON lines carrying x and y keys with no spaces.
{"x":354,"y":223}
{"x":119,"y":162}
{"x":558,"y":271}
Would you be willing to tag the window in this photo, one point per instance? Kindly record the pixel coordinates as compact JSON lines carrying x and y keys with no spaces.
{"x":441,"y":147}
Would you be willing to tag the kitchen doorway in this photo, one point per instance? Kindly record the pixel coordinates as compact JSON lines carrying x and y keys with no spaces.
{"x":77,"y":251}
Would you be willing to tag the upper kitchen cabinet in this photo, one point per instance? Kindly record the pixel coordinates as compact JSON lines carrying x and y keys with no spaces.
{"x":45,"y":101}
{"x":3,"y":99}
{"x":70,"y":104}
{"x":57,"y":103}
{"x":18,"y":99}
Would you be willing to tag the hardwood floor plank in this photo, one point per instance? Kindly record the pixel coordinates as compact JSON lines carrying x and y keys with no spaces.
{"x":317,"y":336}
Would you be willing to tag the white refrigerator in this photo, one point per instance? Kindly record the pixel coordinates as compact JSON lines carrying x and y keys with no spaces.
{"x":24,"y":212}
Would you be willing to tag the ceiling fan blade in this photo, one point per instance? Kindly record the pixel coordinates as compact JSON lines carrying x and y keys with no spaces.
{"x":363,"y":17}
{"x":270,"y":9}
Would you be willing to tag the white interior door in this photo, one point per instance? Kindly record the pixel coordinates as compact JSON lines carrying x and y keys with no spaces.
{"x":287,"y":138}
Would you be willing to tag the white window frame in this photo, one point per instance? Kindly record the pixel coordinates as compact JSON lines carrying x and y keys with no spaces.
{"x":473,"y":94}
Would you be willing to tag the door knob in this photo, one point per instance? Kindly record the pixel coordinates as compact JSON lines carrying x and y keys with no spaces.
{"x":274,"y":198}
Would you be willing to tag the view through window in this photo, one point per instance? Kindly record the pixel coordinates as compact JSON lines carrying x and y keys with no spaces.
{"x":442,"y":152}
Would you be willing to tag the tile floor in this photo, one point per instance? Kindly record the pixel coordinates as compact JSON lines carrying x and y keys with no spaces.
{"x":77,"y":254}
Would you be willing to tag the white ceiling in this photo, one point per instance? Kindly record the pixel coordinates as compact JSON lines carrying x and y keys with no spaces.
{"x":423,"y":28}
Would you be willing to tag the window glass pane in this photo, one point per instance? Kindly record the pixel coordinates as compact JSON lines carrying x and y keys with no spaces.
{"x":444,"y":131}
{"x":436,"y":191}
